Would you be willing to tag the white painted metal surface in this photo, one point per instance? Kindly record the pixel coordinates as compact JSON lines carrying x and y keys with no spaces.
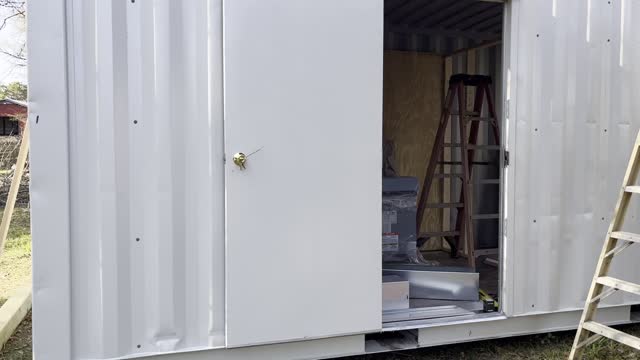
{"x":303,"y":219}
{"x":145,"y":177}
{"x":50,"y":180}
{"x":101,"y":181}
{"x":575,"y":80}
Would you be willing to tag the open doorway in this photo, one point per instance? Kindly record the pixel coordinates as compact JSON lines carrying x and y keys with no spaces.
{"x":441,"y":248}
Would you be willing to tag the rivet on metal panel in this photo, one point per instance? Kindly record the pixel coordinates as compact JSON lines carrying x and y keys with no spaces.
{"x":135,"y":121}
{"x":608,"y":40}
{"x":536,"y":129}
{"x":534,"y":220}
{"x":605,"y":130}
{"x":133,"y":1}
{"x":137,"y":239}
{"x":603,"y":219}
{"x":537,"y":35}
{"x":138,"y":346}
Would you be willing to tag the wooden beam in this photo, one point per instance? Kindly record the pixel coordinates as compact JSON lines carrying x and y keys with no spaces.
{"x":15,"y":186}
{"x":13,"y":312}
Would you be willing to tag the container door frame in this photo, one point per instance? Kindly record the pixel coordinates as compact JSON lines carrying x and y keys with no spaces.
{"x":507,"y":203}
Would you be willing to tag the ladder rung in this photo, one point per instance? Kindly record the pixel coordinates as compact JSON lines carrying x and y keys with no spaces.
{"x":477,"y":118}
{"x":444,"y":205}
{"x":468,"y":113}
{"x":632,"y":189}
{"x":447,"y":176}
{"x":439,"y":233}
{"x":460,"y":163}
{"x":484,"y":252}
{"x":485,"y":216}
{"x":619,"y":284}
{"x":613,"y":334}
{"x":623,"y":235}
{"x":474,"y":147}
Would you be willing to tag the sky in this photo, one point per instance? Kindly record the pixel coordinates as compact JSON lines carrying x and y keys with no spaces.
{"x":11,"y":37}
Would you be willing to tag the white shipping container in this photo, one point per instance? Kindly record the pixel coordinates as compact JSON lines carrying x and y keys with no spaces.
{"x":148,"y":240}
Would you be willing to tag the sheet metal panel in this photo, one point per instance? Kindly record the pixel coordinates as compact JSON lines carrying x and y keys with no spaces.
{"x":49,"y":163}
{"x":99,"y":293}
{"x":574,"y":79}
{"x":146,"y":177}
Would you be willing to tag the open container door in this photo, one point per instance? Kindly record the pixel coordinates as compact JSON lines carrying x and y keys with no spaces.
{"x":303,"y":100}
{"x":571,"y":66}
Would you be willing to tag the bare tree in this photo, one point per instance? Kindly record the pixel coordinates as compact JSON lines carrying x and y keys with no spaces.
{"x":14,"y":10}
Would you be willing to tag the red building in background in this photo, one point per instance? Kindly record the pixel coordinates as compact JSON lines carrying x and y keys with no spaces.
{"x":13,"y":117}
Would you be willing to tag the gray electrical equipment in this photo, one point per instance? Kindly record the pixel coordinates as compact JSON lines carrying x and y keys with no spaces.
{"x":399,"y":196}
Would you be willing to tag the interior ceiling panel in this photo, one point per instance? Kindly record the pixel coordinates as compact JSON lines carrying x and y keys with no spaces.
{"x":473,"y":20}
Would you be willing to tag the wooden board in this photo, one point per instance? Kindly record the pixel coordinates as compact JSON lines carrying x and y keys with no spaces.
{"x":13,"y":312}
{"x":412,"y":105}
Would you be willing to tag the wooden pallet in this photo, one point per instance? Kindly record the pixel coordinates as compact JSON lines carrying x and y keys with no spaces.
{"x":603,"y":285}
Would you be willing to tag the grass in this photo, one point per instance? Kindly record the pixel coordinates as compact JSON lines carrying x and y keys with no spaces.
{"x":15,"y":263}
{"x":15,"y":271}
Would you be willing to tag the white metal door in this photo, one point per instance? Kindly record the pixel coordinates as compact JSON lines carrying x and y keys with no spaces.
{"x":303,"y":98}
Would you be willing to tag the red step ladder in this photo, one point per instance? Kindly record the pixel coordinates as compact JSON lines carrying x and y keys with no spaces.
{"x":468,"y":123}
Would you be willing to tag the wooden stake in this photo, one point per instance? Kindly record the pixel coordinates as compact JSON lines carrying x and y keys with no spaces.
{"x":15,"y":186}
{"x":13,"y":312}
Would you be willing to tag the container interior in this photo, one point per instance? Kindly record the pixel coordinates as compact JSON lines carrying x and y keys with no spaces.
{"x":425,"y":43}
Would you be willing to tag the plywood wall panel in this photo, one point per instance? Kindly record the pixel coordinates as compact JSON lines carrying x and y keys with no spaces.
{"x":412,"y":105}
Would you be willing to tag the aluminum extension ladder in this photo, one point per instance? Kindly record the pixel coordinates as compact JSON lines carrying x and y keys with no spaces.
{"x":469,"y":122}
{"x":602,"y":285}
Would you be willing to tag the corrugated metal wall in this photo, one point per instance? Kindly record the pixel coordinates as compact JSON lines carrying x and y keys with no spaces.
{"x":575,"y":114}
{"x":146,"y":180}
{"x":147,"y":205}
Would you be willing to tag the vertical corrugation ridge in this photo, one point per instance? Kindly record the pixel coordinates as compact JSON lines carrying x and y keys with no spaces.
{"x":147,"y":201}
{"x":575,"y":127}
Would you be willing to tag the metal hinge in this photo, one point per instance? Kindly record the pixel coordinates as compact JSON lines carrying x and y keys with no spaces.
{"x":506,"y":158}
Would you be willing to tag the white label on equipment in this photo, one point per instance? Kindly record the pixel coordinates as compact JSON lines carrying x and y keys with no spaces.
{"x":389,"y":218}
{"x":390,"y":242}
